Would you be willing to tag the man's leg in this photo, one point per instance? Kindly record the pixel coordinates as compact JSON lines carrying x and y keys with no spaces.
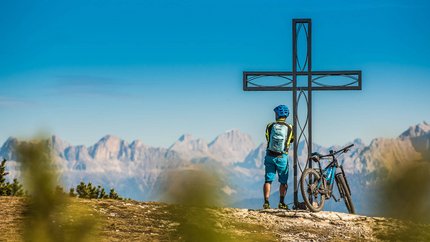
{"x":266,"y":191}
{"x":270,"y":171}
{"x":282,"y":166}
{"x":282,"y":192}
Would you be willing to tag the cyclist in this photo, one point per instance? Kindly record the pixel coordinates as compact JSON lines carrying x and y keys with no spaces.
{"x":279,"y":136}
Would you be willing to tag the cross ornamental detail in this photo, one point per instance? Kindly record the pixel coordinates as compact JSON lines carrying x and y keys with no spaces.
{"x":302,"y":81}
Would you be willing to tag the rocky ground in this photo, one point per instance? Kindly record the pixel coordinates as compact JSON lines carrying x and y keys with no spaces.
{"x":143,"y":221}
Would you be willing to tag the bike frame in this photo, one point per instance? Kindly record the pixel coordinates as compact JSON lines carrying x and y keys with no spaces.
{"x":329,"y":172}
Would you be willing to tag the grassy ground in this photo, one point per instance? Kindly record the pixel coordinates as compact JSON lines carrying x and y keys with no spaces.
{"x":148,"y":221}
{"x":137,"y":221}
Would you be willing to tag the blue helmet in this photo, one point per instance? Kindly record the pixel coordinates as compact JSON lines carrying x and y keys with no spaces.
{"x":282,"y":111}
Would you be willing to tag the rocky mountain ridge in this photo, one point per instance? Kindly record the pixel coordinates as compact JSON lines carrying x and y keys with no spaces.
{"x":136,"y":169}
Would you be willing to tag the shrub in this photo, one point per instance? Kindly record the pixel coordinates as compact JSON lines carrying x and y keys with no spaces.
{"x":89,"y":191}
{"x":7,"y":188}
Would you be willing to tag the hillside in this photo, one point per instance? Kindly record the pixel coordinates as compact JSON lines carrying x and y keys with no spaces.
{"x":149,"y":221}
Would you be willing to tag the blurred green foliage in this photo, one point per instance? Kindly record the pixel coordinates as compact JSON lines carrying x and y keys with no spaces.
{"x":49,"y":212}
{"x":194,"y":191}
{"x":406,"y":196}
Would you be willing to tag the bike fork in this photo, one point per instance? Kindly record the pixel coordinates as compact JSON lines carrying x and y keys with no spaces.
{"x":335,"y":199}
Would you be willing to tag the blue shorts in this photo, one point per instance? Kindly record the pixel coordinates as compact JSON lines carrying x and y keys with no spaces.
{"x":276,"y":164}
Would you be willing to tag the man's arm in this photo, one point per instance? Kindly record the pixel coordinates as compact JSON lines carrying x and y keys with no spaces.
{"x":268,"y":131}
{"x":291,"y":134}
{"x":290,"y":137}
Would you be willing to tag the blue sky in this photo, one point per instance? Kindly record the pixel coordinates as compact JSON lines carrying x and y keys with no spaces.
{"x":156,"y":69}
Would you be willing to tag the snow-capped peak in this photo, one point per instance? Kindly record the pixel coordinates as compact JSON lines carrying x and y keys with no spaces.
{"x":416,"y":131}
{"x":109,"y":147}
{"x":58,"y":144}
{"x":109,"y":139}
{"x":185,"y":138}
{"x":358,"y":142}
{"x":231,"y":146}
{"x":187,"y":145}
{"x":137,"y":143}
{"x":232,"y":136}
{"x":7,"y":150}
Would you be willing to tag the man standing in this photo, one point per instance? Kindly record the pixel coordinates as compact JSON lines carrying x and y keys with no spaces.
{"x":279,"y":136}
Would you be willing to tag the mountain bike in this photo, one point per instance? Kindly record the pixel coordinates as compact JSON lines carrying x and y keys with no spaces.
{"x":317,"y":183}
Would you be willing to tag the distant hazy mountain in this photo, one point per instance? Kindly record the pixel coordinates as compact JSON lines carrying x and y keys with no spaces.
{"x":137,"y":170}
{"x":231,"y":147}
{"x":385,"y":153}
{"x":189,"y":148}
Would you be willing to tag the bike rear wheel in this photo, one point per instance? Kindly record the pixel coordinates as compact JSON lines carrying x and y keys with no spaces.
{"x":311,"y":184}
{"x":344,"y":193}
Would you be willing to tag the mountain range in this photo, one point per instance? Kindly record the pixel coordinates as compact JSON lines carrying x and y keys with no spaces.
{"x":138,"y":171}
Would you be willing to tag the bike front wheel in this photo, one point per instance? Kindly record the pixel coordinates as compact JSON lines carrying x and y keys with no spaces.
{"x":312,"y":184}
{"x":344,"y":192}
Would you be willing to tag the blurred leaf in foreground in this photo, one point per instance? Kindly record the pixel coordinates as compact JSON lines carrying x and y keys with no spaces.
{"x":50,"y":216}
{"x":406,"y":196}
{"x":193,"y":191}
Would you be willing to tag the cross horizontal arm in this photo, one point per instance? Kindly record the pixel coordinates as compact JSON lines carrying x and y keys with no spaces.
{"x":346,"y":80}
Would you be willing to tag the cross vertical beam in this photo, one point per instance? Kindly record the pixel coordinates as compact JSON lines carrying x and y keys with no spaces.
{"x":306,"y":26}
{"x":294,"y":74}
{"x":290,"y":82}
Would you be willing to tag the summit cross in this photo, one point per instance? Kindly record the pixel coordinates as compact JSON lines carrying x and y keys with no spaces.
{"x":302,"y":81}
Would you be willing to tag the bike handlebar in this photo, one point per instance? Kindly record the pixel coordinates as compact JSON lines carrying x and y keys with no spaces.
{"x":333,"y":153}
{"x":344,"y":149}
